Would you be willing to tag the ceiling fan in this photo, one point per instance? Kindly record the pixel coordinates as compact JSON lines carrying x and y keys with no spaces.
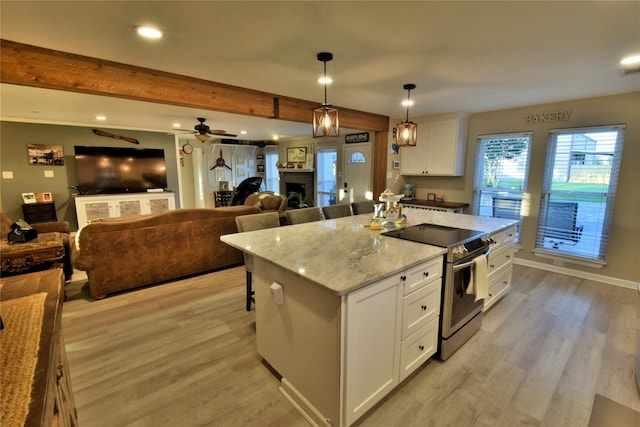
{"x":203,"y":132}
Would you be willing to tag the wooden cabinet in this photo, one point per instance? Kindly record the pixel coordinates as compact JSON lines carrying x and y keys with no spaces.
{"x":39,"y":212}
{"x":440,"y":147}
{"x":499,"y":264}
{"x":115,"y":205}
{"x":391,"y":329}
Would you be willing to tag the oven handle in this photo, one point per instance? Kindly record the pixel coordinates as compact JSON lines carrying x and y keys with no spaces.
{"x":467,"y":264}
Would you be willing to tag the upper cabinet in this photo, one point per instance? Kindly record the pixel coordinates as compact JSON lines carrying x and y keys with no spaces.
{"x":440,"y":147}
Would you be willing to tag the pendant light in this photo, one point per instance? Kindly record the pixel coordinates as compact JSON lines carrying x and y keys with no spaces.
{"x":325,"y":117}
{"x":407,"y":132}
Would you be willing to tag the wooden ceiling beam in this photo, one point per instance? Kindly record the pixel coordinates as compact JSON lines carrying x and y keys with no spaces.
{"x":34,"y":66}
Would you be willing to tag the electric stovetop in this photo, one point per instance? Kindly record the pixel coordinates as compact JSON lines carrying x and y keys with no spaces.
{"x":436,"y":235}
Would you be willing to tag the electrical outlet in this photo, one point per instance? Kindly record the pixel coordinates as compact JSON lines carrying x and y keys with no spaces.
{"x":7,"y":174}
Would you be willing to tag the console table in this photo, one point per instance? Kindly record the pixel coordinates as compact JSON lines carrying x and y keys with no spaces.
{"x":122,"y":205}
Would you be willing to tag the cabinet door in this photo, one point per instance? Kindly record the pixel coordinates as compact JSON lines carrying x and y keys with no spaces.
{"x":160,"y":204}
{"x":443,"y":147}
{"x":499,"y":284}
{"x":499,"y":258}
{"x":91,"y":210}
{"x":128,"y":206}
{"x":412,"y":159}
{"x":372,"y":346}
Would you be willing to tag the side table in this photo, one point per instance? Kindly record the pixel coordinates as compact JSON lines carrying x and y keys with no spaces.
{"x":39,"y":212}
{"x":46,"y":251}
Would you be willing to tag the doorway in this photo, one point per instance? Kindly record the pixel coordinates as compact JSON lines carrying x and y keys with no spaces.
{"x":357,"y":173}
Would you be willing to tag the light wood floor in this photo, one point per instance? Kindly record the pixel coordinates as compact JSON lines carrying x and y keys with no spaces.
{"x":183,"y":354}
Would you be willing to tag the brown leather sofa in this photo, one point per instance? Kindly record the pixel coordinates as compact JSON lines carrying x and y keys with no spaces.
{"x":269,"y":202}
{"x":120,"y":254}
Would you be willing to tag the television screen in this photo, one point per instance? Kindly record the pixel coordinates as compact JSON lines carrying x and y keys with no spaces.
{"x":104,"y":170}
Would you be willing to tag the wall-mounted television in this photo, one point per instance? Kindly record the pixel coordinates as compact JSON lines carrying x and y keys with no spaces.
{"x":110,"y":170}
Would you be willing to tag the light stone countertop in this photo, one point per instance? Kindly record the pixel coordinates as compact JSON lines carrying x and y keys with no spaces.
{"x":343,"y":255}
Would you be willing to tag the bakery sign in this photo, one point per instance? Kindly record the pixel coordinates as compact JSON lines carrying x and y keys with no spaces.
{"x":551,"y":116}
{"x":356,"y":137}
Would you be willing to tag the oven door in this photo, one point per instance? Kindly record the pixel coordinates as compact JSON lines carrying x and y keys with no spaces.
{"x":458,"y":307}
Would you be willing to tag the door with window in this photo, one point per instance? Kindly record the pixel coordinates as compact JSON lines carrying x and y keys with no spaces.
{"x":578,"y":192}
{"x":326,"y":176}
{"x":357,"y":173}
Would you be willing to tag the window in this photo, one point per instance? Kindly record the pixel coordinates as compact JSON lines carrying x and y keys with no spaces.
{"x":272,"y":176}
{"x":500,"y":181}
{"x":578,"y":191}
{"x":327,"y":158}
{"x":357,"y":157}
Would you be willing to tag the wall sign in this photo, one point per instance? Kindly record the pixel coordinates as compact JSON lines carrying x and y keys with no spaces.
{"x":356,"y":137}
{"x":551,"y":116}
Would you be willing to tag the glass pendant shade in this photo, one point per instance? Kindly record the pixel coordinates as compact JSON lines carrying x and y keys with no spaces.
{"x":202,"y":137}
{"x":325,"y":122}
{"x":406,"y":134}
{"x":325,"y":117}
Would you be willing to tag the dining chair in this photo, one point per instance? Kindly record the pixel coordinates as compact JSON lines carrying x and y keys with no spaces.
{"x":254,"y":222}
{"x":363,"y":207}
{"x":336,"y":211}
{"x":299,"y":216}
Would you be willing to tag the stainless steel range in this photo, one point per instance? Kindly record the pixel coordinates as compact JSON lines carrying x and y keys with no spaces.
{"x":460,"y":315}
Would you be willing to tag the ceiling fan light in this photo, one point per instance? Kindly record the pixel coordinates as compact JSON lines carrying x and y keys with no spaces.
{"x":202,"y":137}
{"x":325,"y":122}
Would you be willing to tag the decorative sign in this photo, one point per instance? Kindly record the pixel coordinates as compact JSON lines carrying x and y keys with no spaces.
{"x":552,"y":116}
{"x":356,"y":137}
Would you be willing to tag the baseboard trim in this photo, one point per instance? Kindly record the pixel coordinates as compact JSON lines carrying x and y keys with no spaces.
{"x":577,"y":273}
{"x":308,"y":411}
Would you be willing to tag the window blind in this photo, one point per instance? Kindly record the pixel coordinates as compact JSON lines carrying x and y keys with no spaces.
{"x":500,"y":179}
{"x":578,"y":192}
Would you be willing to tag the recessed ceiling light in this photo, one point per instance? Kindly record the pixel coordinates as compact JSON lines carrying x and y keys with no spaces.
{"x":243,"y":132}
{"x":149,"y":32}
{"x":407,"y":103}
{"x":325,"y":80}
{"x":101,"y":117}
{"x":177,"y":125}
{"x":630,"y":60}
{"x":275,"y":137}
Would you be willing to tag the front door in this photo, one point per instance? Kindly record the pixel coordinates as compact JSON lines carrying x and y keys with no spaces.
{"x":357,"y":173}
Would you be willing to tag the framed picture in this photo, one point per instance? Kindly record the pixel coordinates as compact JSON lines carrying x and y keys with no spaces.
{"x":240,"y":159}
{"x":28,"y":198}
{"x":260,"y":168}
{"x":43,"y":197}
{"x":396,"y":164}
{"x":297,"y":155}
{"x":224,"y":185}
{"x":48,"y":155}
{"x":431,"y":197}
{"x":240,"y":172}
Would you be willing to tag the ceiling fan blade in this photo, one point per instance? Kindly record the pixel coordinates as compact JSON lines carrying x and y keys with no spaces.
{"x":218,"y":132}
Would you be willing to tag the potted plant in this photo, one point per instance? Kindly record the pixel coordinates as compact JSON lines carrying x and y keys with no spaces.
{"x":296,"y":200}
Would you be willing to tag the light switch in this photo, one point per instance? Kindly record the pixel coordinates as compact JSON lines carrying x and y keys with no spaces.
{"x":48,"y":173}
{"x":7,"y":174}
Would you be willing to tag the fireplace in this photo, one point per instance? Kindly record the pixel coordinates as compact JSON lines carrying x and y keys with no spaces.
{"x":298,"y":182}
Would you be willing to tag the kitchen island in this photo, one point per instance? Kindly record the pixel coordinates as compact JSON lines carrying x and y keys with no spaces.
{"x":343,"y":313}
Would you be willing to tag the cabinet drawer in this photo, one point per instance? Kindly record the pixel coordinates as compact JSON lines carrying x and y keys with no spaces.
{"x":420,"y":307}
{"x":505,"y":236}
{"x":500,"y":257}
{"x":420,"y":275}
{"x":499,"y":283}
{"x":418,"y":348}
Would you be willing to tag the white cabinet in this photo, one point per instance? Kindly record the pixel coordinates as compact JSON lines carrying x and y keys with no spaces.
{"x":499,"y":265}
{"x":115,"y":205}
{"x":440,"y":147}
{"x":372,"y":350}
{"x":391,"y":329}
